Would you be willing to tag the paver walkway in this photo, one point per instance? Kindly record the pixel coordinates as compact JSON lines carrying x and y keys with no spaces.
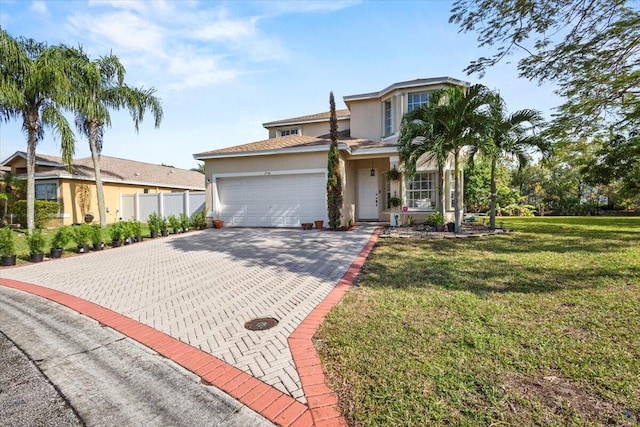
{"x":202,"y":287}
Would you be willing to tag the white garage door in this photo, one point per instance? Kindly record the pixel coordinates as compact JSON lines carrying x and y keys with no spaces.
{"x":272,"y":201}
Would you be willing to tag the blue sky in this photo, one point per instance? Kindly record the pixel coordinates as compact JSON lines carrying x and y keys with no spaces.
{"x":224,"y":68}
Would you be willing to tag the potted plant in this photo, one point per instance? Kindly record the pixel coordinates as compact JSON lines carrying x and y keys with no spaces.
{"x":198,"y":221}
{"x":174,"y":223}
{"x":307,"y":225}
{"x":184,"y":222}
{"x":319,"y":224}
{"x":392,"y":174}
{"x":7,"y":247}
{"x":164,"y":227}
{"x":59,"y":241}
{"x":97,"y":237}
{"x":436,"y":220}
{"x":218,"y":223}
{"x":129,"y":232}
{"x":36,"y":243}
{"x":116,"y":232}
{"x":82,"y":237}
{"x":136,"y":228}
{"x":154,"y":225}
{"x":394,"y":202}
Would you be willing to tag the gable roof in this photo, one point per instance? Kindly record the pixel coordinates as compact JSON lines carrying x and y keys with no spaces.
{"x":311,"y":118}
{"x":114,"y":169}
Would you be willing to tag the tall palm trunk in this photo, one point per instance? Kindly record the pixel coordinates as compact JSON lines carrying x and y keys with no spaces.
{"x":95,"y":156}
{"x":31,"y":124}
{"x":492,"y":209}
{"x":441,"y":183}
{"x":456,"y":197}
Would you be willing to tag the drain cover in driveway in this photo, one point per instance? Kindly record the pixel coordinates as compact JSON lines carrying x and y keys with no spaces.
{"x":261,"y":324}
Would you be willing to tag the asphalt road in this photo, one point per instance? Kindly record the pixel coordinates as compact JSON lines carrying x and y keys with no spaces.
{"x":60,"y":368}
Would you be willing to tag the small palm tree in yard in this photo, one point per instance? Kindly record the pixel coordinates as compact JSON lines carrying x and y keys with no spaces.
{"x":510,"y":135}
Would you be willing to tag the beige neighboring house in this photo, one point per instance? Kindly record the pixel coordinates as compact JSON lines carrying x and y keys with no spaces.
{"x":76,"y":191}
{"x":281,"y":181}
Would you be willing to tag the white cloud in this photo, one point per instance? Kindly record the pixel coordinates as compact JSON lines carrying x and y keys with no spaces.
{"x":232,"y":29}
{"x":308,"y":6}
{"x":39,"y":7}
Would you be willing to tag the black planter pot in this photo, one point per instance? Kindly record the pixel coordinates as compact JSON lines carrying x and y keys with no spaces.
{"x":55,"y":253}
{"x":8,"y":260}
{"x":165,"y":233}
{"x":176,"y":230}
{"x":98,"y":246}
{"x":440,"y":227}
{"x":127,"y":241}
{"x":154,"y":234}
{"x":83,"y":249}
{"x":39,"y":257}
{"x":451,"y":227}
{"x":116,"y":243}
{"x":138,"y":239}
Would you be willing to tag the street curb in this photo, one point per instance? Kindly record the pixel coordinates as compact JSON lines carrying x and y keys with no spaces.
{"x":277,"y":407}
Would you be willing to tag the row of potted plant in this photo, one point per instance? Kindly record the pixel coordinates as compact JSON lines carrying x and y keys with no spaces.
{"x":177,"y":224}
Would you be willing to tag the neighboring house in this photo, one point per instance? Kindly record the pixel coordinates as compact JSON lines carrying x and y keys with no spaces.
{"x":76,"y":191}
{"x":281,"y":181}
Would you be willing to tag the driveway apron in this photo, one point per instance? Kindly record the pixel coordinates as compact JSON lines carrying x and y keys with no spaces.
{"x":202,"y":287}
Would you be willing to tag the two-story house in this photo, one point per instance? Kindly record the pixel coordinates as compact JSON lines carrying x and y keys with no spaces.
{"x":281,"y":181}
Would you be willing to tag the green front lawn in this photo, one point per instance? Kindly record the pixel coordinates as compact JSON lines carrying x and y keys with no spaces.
{"x":537,"y":327}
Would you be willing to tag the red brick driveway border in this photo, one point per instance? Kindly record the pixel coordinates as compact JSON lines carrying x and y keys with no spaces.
{"x":322,"y":403}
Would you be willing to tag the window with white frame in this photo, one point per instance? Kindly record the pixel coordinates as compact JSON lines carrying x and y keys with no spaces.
{"x":415,"y":100}
{"x":285,"y":132}
{"x":421,"y":191}
{"x":387,"y":118}
{"x":47,"y":191}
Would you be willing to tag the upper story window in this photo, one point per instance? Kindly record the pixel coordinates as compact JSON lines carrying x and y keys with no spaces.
{"x":415,"y":100}
{"x":421,"y":191}
{"x":387,"y":117}
{"x":47,"y":191}
{"x":285,"y":132}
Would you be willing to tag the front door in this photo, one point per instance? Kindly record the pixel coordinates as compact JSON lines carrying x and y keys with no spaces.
{"x":367,"y":195}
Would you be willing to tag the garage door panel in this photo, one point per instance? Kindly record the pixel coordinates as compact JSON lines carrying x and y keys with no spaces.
{"x":273,"y":201}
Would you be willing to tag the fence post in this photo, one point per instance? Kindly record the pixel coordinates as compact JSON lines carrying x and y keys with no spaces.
{"x":185,"y":205}
{"x":161,"y":204}
{"x":136,"y":206}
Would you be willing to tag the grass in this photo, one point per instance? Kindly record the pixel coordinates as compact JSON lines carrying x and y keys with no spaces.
{"x":537,"y":327}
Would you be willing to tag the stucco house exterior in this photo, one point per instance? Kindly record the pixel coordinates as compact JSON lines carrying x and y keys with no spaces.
{"x":76,"y":191}
{"x":281,"y":181}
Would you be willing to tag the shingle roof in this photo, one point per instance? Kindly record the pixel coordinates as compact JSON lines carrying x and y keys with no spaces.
{"x":295,"y":141}
{"x":340,"y":114}
{"x":127,"y":171}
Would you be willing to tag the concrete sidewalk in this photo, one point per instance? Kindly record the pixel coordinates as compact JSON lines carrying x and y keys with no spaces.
{"x":201,"y":287}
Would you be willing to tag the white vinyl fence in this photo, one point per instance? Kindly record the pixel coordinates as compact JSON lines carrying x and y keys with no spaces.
{"x":139,"y":206}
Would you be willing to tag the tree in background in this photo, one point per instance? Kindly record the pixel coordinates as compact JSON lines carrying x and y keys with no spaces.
{"x":36,"y":82}
{"x":589,"y":48}
{"x":101,"y":95}
{"x":334,"y":179}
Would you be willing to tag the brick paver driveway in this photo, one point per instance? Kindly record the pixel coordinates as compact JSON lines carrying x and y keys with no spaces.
{"x":201,"y":288}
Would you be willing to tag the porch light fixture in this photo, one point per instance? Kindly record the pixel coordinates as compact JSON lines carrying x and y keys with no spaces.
{"x":373,"y":171}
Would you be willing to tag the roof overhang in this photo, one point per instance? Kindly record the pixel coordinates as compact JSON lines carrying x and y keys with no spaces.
{"x":275,"y":151}
{"x":23,"y":155}
{"x":406,"y":85}
{"x":42,"y":177}
{"x":302,"y":122}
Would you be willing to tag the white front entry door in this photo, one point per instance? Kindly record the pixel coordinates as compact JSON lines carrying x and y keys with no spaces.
{"x":367,"y":195}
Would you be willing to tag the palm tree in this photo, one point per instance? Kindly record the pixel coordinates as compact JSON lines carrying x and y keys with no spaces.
{"x":93,"y":116}
{"x":507,"y":135}
{"x":418,"y":138}
{"x":457,"y":122}
{"x":35,"y":83}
